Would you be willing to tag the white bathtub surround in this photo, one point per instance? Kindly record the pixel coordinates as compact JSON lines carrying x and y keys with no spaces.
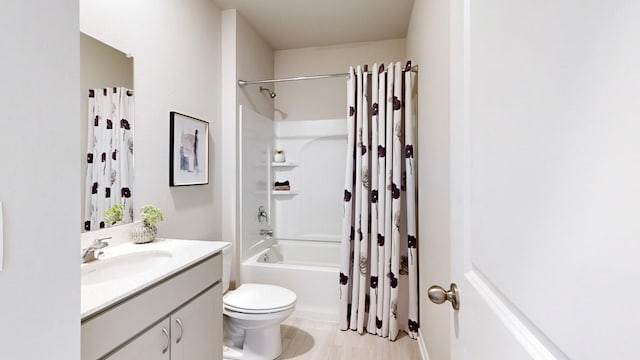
{"x":315,"y":151}
{"x":308,"y":268}
{"x":378,"y":270}
{"x":109,"y":160}
{"x":256,"y":144}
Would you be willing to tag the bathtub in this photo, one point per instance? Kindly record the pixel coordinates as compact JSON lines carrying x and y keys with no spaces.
{"x":308,"y":268}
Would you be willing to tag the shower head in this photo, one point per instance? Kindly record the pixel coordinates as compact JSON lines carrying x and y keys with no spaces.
{"x":271,"y":93}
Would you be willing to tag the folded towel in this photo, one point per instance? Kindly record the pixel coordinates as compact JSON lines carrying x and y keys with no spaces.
{"x":282,"y":187}
{"x":281,"y":183}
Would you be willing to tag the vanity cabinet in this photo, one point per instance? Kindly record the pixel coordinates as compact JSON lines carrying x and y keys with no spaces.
{"x":187,"y":334}
{"x":196,"y":329}
{"x":181,"y":313}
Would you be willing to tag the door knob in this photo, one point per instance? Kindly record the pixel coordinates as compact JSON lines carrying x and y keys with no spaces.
{"x":438,"y":295}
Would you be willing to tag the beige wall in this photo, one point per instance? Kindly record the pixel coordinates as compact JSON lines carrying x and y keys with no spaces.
{"x":39,"y":186}
{"x":428,"y":45}
{"x":100,"y":66}
{"x":246,"y":56}
{"x":254,"y":61}
{"x":324,"y":98}
{"x":176,"y":48}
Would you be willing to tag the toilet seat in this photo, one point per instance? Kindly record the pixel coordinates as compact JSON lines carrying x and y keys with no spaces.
{"x":252,"y":311}
{"x":259,"y":299}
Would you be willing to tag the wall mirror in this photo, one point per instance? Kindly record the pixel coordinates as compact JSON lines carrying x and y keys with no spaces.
{"x":107,"y":119}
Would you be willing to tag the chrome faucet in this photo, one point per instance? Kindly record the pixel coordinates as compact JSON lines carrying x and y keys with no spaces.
{"x":89,"y":254}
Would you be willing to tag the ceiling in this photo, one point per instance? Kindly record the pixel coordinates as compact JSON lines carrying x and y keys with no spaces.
{"x":288,"y":24}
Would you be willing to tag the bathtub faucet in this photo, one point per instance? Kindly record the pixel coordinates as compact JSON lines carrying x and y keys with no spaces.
{"x":262,"y":214}
{"x":266,"y":232}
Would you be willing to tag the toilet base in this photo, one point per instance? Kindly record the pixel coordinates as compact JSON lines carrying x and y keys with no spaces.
{"x":262,"y":344}
{"x":231,"y":353}
{"x":259,"y":344}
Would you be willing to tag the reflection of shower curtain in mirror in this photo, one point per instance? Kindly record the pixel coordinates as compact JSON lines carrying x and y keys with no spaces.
{"x":109,"y":155}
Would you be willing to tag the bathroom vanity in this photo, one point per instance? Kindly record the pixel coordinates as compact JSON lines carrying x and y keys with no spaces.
{"x":155,"y":301}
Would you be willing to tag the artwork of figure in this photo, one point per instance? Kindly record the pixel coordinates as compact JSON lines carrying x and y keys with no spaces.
{"x":189,"y":151}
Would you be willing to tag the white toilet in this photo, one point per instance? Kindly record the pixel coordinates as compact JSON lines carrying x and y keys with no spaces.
{"x":257,"y":310}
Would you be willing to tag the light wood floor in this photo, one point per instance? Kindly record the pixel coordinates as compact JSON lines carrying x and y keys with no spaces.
{"x":313,"y":339}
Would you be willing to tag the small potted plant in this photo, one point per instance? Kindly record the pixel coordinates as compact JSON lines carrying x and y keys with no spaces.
{"x":148,"y":230}
{"x":113,"y":215}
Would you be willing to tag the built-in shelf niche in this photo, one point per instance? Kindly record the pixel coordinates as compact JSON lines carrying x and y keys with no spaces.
{"x":284,"y":192}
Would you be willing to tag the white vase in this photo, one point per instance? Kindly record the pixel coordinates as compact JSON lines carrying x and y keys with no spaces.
{"x":279,"y":156}
{"x":143,"y":233}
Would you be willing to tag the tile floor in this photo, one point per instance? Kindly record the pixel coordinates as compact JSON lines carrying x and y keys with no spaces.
{"x":313,"y":339}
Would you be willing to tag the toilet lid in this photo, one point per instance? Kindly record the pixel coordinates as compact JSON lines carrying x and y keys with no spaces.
{"x":259,"y":297}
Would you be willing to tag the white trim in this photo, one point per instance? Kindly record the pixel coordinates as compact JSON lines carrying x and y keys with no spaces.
{"x":424,"y":355}
{"x":532,"y":340}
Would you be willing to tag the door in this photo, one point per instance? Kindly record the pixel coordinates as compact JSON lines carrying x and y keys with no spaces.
{"x":545,"y":178}
{"x":196,"y":328}
{"x":153,"y":344}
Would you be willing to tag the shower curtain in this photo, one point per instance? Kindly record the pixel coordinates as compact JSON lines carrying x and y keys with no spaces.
{"x":109,"y":177}
{"x":379,"y":259}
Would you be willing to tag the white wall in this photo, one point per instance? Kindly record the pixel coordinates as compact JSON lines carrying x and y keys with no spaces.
{"x":40,"y":181}
{"x":324,"y":98}
{"x":176,"y":46}
{"x":254,"y":61}
{"x":100,"y":66}
{"x":246,"y":56}
{"x":428,"y":47}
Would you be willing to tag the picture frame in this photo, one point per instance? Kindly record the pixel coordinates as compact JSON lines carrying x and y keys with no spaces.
{"x":188,"y":150}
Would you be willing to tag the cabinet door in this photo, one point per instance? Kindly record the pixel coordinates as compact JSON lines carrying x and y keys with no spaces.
{"x":153,"y":344}
{"x":196,"y":328}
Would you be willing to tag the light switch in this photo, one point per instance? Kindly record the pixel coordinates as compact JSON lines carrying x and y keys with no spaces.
{"x":1,"y":236}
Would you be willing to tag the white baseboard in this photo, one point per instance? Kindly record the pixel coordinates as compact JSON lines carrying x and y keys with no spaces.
{"x":423,"y":348}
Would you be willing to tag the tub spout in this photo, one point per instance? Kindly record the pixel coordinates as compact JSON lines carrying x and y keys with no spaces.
{"x":266,"y":232}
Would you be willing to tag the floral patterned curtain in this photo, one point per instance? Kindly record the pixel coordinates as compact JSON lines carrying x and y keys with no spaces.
{"x":379,"y":259}
{"x":109,"y":155}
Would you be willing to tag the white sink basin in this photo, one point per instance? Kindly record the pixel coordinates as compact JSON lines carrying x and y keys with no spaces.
{"x":116,"y":267}
{"x":128,"y":268}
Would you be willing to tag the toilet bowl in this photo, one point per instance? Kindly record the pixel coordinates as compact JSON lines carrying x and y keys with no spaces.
{"x":256,"y":310}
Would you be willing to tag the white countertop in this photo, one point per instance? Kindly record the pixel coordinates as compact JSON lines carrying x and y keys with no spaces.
{"x":184,"y":253}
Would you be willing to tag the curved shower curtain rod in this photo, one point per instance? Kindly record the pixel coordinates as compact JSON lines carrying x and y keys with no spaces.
{"x":310,"y":77}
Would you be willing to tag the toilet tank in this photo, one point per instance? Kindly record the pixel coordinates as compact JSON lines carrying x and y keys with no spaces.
{"x":227,"y":259}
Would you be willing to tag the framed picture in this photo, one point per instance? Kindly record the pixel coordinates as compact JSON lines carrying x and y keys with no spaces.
{"x":188,"y":150}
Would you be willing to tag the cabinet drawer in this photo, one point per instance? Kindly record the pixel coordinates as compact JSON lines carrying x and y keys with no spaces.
{"x":153,"y":344}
